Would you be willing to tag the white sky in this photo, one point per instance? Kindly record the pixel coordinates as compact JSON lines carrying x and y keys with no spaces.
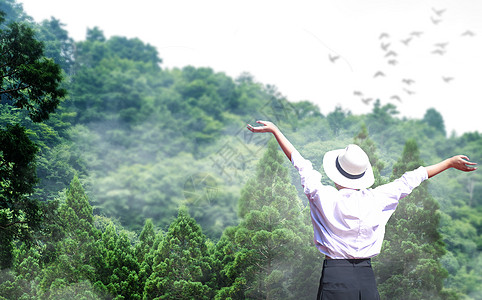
{"x":288,"y":44}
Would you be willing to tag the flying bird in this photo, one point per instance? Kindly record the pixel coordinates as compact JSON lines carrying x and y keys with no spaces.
{"x":385,"y":46}
{"x":396,"y":97}
{"x":408,"y":81}
{"x":447,"y":79}
{"x":438,"y":51}
{"x":333,"y":58}
{"x":468,"y":33}
{"x":435,"y":21}
{"x":406,"y":41}
{"x":409,"y":91}
{"x":438,"y":12}
{"x":416,"y":33}
{"x":383,"y":35}
{"x":391,"y":53}
{"x":367,"y":100}
{"x":392,"y":62}
{"x":379,"y":73}
{"x":357,"y":93}
{"x":441,"y":45}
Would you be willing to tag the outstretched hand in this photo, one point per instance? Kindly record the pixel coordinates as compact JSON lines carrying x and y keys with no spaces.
{"x":462,"y":163}
{"x":280,"y":138}
{"x":267,"y":127}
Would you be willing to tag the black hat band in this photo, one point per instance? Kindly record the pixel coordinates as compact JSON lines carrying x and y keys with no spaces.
{"x":347,"y":175}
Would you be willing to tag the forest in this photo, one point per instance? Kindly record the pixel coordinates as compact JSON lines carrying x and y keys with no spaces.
{"x":122,"y":179}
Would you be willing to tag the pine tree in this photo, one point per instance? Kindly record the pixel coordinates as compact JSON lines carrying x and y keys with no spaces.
{"x":363,"y":140}
{"x":146,"y":241}
{"x":76,"y":252}
{"x":409,"y":264}
{"x":76,"y":212}
{"x":21,"y":282}
{"x":146,"y":250}
{"x":181,"y":267}
{"x":116,"y":266}
{"x":264,"y":251}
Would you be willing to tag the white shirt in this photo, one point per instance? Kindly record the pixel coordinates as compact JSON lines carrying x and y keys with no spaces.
{"x":351,"y":223}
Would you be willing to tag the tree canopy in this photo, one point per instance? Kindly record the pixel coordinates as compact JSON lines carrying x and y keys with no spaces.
{"x":28,"y":80}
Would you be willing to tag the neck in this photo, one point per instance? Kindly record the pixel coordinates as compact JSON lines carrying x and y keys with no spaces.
{"x":340,"y":187}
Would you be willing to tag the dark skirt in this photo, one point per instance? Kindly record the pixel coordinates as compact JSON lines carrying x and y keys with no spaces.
{"x":347,"y":279}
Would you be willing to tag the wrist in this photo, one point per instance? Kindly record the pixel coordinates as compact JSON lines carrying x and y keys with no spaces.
{"x":275,"y":130}
{"x":451,"y":162}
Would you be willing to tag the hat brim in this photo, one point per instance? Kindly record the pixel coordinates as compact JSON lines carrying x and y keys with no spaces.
{"x":329,"y":165}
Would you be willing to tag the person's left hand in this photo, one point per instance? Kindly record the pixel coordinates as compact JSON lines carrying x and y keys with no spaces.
{"x":462,"y":163}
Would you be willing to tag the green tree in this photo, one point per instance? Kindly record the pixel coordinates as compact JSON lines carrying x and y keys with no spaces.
{"x":116,"y":266}
{"x":57,"y":43}
{"x":146,"y":241}
{"x":382,"y":116}
{"x":20,"y":283}
{"x":434,"y":119}
{"x":271,"y":239}
{"x":409,"y":265}
{"x":306,"y":109}
{"x":13,"y":12}
{"x":28,"y":80}
{"x":146,"y":250}
{"x":19,"y":214}
{"x":181,"y":264}
{"x":363,"y":140}
{"x":31,"y":83}
{"x":336,"y":119}
{"x":113,"y":80}
{"x":76,"y":252}
{"x":134,"y":49}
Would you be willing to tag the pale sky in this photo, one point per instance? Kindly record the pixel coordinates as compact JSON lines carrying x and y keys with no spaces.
{"x":289,"y":44}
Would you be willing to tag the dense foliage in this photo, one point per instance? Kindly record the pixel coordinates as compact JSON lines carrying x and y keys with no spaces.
{"x":144,"y":183}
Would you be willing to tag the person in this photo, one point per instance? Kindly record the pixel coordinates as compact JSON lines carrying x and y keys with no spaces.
{"x":349,"y":219}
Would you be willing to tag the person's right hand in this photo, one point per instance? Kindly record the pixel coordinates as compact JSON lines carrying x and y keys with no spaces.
{"x":267,"y":127}
{"x":462,"y":163}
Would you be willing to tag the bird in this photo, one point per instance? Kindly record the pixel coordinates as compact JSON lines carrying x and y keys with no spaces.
{"x":367,"y":100}
{"x":438,"y":12}
{"x":438,"y":51}
{"x":392,"y":62}
{"x":384,"y":35}
{"x":447,"y":79}
{"x":385,"y":46}
{"x":468,"y":33}
{"x":416,"y":33}
{"x":408,"y":81}
{"x":357,"y":93}
{"x":396,"y":97}
{"x":406,"y":41}
{"x":333,"y":58}
{"x":435,"y":21}
{"x":391,"y":53}
{"x":379,"y":73}
{"x":409,"y":91}
{"x":441,"y":45}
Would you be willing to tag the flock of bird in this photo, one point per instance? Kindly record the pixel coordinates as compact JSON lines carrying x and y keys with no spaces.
{"x":391,"y":56}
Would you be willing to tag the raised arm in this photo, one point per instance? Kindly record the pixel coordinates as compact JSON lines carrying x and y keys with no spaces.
{"x":285,"y":145}
{"x":459,"y":162}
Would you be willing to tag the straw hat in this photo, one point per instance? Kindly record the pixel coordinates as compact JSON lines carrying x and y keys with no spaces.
{"x":349,"y":167}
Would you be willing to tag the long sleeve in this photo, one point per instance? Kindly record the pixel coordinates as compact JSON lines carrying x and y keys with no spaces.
{"x":310,"y":178}
{"x":394,"y":191}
